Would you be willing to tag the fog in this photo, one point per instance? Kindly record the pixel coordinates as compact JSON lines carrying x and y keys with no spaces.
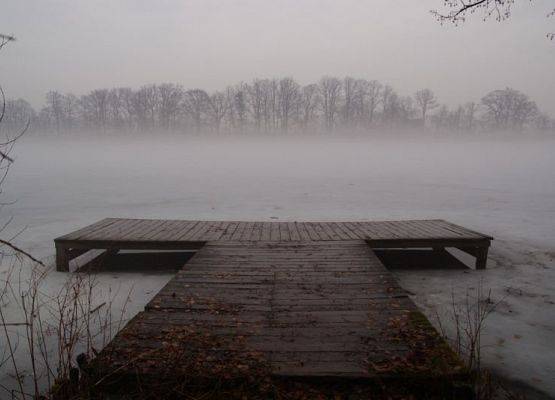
{"x":490,"y":184}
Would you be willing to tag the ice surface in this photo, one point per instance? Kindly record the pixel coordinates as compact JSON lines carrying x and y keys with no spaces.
{"x":503,"y":187}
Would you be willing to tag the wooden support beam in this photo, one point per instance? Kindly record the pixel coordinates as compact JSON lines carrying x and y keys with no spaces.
{"x":65,"y":253}
{"x":480,"y":252}
{"x":93,"y":258}
{"x":74,"y":253}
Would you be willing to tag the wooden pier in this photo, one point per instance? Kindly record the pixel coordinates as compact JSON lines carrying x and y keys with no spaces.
{"x":115,"y":234}
{"x":293,"y":300}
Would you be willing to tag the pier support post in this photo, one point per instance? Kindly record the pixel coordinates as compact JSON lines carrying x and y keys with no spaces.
{"x":62,"y":258}
{"x":481,"y":257}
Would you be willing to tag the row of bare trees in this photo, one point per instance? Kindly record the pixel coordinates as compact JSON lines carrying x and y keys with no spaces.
{"x":274,"y":105}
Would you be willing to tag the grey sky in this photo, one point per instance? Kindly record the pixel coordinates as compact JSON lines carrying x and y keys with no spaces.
{"x":75,"y":46}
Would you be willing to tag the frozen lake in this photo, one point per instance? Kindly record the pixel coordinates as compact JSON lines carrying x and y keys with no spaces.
{"x":505,"y":188}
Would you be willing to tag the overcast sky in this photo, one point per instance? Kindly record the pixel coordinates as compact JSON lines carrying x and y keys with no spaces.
{"x":75,"y":46}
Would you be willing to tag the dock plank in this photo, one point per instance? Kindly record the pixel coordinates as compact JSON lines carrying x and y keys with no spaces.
{"x":90,"y":228}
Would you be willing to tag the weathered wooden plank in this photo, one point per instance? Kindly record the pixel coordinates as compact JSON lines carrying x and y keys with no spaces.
{"x":303,"y":233}
{"x":123,"y":230}
{"x":309,"y":226}
{"x":354,"y":228}
{"x":284,"y":234}
{"x":88,"y":229}
{"x":274,"y":232}
{"x":183,"y":230}
{"x":113,"y":231}
{"x":256,"y":232}
{"x":229,"y":231}
{"x":293,"y":231}
{"x":370,"y":230}
{"x":247,"y":232}
{"x":426,"y":231}
{"x":386,"y":229}
{"x":238,"y":231}
{"x":143,"y":230}
{"x":419,"y":231}
{"x":266,"y":231}
{"x":197,"y":233}
{"x":215,"y":230}
{"x":165,"y":231}
{"x":340,"y":232}
{"x":459,"y":230}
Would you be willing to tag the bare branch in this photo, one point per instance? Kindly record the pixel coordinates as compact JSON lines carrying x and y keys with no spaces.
{"x":458,"y":10}
{"x":21,"y":251}
{"x":5,"y":39}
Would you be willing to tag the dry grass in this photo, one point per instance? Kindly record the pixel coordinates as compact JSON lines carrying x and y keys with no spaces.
{"x":57,"y":334}
{"x":468,"y":319}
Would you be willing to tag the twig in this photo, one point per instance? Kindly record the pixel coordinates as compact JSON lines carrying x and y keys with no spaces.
{"x":97,"y":308}
{"x":21,"y":251}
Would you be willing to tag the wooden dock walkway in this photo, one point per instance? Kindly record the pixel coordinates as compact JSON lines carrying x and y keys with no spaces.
{"x":298,"y":300}
{"x":308,"y":309}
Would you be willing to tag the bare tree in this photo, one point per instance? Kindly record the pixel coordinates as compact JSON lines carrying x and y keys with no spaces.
{"x":457,"y":11}
{"x":126,"y":98}
{"x":116,"y":113}
{"x":270,"y":105}
{"x":349,"y":99}
{"x":458,"y":118}
{"x":218,"y":109}
{"x":441,"y":117}
{"x":17,"y":114}
{"x":145,"y":103}
{"x":196,"y":104}
{"x":309,"y":102}
{"x":257,"y":98}
{"x":426,"y":101}
{"x":95,"y":108}
{"x":389,"y":101}
{"x":470,"y":115}
{"x":288,"y":101}
{"x":72,"y":110}
{"x":406,"y":108}
{"x":330,"y":90}
{"x":170,"y":97}
{"x":62,"y":111}
{"x":543,"y":122}
{"x":509,"y":108}
{"x":55,"y":109}
{"x":239,"y":108}
{"x":5,"y":160}
{"x":360,"y":102}
{"x":5,"y":39}
{"x":374,"y":95}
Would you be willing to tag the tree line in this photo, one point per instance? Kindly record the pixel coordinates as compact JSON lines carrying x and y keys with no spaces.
{"x":274,"y":106}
